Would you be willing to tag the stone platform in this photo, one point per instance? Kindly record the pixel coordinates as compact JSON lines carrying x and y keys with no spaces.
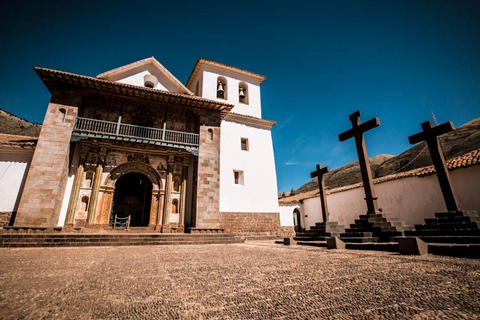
{"x":112,"y":239}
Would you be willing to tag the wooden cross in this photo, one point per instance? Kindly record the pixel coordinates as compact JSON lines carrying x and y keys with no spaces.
{"x":357,"y":132}
{"x":430,"y":135}
{"x":321,"y":185}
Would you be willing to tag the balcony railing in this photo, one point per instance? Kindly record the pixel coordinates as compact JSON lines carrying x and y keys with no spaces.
{"x":100,"y":127}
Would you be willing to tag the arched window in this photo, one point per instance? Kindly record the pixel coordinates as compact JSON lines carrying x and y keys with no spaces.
{"x":176,"y":184}
{"x":61,"y":114}
{"x":88,"y":179}
{"x":84,"y":204}
{"x":210,"y":134}
{"x":222,"y":88}
{"x":175,"y":206}
{"x":243,"y":92}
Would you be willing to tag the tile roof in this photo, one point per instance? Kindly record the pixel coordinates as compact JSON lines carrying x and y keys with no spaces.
{"x":250,"y":120}
{"x":52,"y":77}
{"x":12,"y":140}
{"x":469,"y":159}
{"x":106,"y":75}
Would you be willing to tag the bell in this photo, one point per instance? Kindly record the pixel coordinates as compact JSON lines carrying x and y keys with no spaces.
{"x":220,"y":87}
{"x":241,"y":94}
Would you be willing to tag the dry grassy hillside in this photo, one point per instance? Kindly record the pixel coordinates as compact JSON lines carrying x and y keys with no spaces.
{"x":11,"y":124}
{"x":456,"y":143}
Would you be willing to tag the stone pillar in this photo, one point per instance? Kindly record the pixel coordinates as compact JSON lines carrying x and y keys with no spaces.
{"x":72,"y":204}
{"x":47,"y":177}
{"x":107,"y":206}
{"x":208,"y":173}
{"x":161,"y":200}
{"x":94,"y":196}
{"x":167,"y":208}
{"x":153,"y":209}
{"x":183,"y":195}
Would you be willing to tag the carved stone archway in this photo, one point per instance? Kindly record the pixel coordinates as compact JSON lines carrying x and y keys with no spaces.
{"x":107,"y":190}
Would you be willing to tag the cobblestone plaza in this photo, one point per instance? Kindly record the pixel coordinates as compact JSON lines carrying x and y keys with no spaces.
{"x":255,"y":280}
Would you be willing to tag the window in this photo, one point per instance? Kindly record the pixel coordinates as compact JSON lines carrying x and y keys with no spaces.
{"x":243,"y":92}
{"x":222,"y":88}
{"x":175,"y":206}
{"x":210,"y":134}
{"x":244,"y":144}
{"x":238,"y":177}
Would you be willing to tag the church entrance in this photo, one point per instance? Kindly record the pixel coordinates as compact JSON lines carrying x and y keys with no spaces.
{"x":133,"y":196}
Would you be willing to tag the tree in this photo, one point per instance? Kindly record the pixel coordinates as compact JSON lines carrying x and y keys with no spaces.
{"x":292,"y":192}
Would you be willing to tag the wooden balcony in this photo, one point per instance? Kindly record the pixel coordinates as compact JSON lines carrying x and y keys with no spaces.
{"x":85,"y":127}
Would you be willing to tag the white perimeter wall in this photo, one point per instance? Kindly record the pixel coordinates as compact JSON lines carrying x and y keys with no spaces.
{"x":410,"y":199}
{"x":286,"y":215}
{"x":13,"y":171}
{"x":259,"y":192}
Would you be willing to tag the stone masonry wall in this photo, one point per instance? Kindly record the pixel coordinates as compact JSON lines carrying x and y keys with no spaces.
{"x":208,"y":182}
{"x":251,"y":223}
{"x":42,"y":196}
{"x":5,"y":218}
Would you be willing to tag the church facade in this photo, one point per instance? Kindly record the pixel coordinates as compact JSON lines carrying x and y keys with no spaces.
{"x":134,"y":145}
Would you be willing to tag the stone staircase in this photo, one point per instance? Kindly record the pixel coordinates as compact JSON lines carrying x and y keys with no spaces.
{"x":377,"y":227}
{"x":112,"y":239}
{"x":318,"y":234}
{"x":454,"y":233}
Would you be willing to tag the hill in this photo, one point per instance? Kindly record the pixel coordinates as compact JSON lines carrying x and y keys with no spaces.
{"x":11,"y":124}
{"x":454,"y":144}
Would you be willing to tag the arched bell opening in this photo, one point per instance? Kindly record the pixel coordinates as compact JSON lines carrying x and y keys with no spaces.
{"x":297,"y":221}
{"x":133,"y":197}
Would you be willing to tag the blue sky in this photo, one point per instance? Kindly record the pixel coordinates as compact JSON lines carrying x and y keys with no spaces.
{"x":396,"y":60}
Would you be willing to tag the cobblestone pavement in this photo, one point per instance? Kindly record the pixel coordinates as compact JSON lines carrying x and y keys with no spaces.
{"x":255,"y":280}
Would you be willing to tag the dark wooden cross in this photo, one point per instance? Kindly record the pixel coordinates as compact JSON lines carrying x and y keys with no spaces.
{"x":357,"y":132}
{"x":321,"y":185}
{"x":430,"y":135}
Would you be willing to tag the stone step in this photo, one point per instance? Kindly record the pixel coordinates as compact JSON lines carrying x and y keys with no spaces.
{"x":451,"y":219}
{"x":436,"y":232}
{"x":356,"y":234}
{"x":374,"y":246}
{"x":462,"y":213}
{"x":451,"y":239}
{"x":359,"y":239}
{"x":451,"y":225}
{"x":73,"y":240}
{"x":313,"y":243}
{"x":455,"y":250}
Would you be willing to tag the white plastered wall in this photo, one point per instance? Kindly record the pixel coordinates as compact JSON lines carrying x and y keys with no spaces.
{"x":259,"y":191}
{"x":208,"y":80}
{"x":13,"y":169}
{"x":136,"y":77}
{"x":410,"y":200}
{"x":286,"y":215}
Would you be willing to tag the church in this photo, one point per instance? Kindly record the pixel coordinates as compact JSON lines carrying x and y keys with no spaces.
{"x":135,"y":147}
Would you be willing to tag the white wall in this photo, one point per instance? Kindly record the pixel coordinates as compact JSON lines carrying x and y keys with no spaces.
{"x":13,"y":170}
{"x":209,"y":90}
{"x":410,"y":200}
{"x":259,"y":192}
{"x":136,"y":77}
{"x":286,"y":215}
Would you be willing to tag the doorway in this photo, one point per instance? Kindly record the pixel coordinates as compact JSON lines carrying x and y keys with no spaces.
{"x":133,"y":197}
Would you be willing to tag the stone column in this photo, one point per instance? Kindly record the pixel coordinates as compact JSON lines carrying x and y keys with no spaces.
{"x":183,"y":195}
{"x":153,"y":209}
{"x":107,"y":207}
{"x":42,"y":197}
{"x":94,"y":196}
{"x":72,"y":204}
{"x":167,"y":208}
{"x":161,"y":200}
